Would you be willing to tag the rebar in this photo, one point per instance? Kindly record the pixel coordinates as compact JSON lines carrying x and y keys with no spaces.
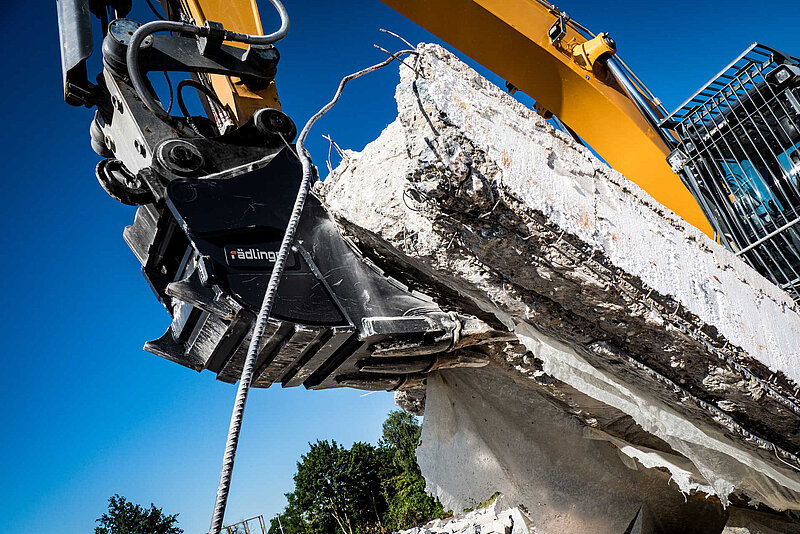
{"x":269,"y":299}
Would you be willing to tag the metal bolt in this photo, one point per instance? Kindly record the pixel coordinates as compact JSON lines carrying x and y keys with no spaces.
{"x":278,"y":122}
{"x":274,"y":125}
{"x":609,"y":40}
{"x":122,"y":31}
{"x":181,"y":155}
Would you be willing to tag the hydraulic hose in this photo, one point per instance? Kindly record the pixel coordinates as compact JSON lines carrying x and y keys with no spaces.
{"x":138,"y":81}
{"x":134,"y":68}
{"x":273,"y":37}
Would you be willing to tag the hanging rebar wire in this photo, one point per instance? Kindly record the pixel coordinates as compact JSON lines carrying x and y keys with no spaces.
{"x":269,"y":299}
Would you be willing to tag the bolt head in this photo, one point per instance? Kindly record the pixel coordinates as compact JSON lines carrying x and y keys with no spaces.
{"x":180,"y":154}
{"x":122,"y":31}
{"x":179,"y":157}
{"x":275,"y":124}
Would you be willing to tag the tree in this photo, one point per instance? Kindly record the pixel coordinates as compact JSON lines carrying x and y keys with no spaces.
{"x":360,"y":490}
{"x":409,"y":505}
{"x":336,"y":490}
{"x":124,"y":517}
{"x":401,"y":432}
{"x":291,"y":520}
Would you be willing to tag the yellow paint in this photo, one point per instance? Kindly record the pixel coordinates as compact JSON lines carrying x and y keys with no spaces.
{"x":239,"y":16}
{"x":586,"y":54}
{"x":509,"y":37}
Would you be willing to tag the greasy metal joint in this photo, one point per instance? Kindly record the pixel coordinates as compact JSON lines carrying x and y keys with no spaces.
{"x":179,"y":156}
{"x":588,"y":53}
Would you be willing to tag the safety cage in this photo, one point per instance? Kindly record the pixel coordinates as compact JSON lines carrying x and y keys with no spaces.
{"x":739,"y":154}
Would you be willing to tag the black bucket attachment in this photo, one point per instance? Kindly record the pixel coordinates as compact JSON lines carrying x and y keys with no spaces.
{"x":208,"y":252}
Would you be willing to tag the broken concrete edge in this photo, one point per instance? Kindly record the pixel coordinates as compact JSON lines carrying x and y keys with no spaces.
{"x":764,"y":481}
{"x":482,"y":432}
{"x":515,"y":521}
{"x":603,"y":210}
{"x":704,"y":278}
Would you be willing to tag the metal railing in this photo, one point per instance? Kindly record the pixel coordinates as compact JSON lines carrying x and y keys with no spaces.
{"x":254,"y":525}
{"x":740,"y":156}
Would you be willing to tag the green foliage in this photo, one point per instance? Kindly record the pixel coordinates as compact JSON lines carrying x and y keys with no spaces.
{"x":292,"y":520}
{"x":409,"y":505}
{"x":488,"y":502}
{"x":361,"y":490}
{"x":338,"y":488}
{"x":401,"y":432}
{"x":124,"y":517}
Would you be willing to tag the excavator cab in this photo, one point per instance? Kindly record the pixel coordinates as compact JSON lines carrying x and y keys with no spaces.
{"x":739,"y":154}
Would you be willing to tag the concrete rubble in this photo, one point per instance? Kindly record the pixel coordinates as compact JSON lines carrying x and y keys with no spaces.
{"x":486,"y":520}
{"x":653,"y":380}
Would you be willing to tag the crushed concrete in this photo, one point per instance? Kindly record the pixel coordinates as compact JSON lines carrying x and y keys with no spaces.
{"x":487,"y":520}
{"x":653,"y":340}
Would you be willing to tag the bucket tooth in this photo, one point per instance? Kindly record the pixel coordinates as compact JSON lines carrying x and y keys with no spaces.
{"x":206,"y":298}
{"x":315,"y":354}
{"x":231,"y":369}
{"x":395,"y":366}
{"x":270,"y":351}
{"x":371,"y":382}
{"x":169,"y":349}
{"x":288,"y":353}
{"x":214,"y":338}
{"x":336,"y":360}
{"x":234,"y":340}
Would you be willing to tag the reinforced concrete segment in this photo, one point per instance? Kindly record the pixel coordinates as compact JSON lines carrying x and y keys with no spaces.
{"x":661,"y":360}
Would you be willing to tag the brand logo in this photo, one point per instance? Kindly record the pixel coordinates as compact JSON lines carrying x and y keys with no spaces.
{"x":253,"y":254}
{"x":259,"y":256}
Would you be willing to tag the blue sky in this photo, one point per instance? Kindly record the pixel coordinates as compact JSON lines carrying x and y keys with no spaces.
{"x":86,"y":413}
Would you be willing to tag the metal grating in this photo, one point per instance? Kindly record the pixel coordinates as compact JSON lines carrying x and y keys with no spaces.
{"x":254,"y":525}
{"x":739,"y":154}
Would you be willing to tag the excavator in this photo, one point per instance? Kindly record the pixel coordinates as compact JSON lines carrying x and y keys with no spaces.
{"x":261,"y":286}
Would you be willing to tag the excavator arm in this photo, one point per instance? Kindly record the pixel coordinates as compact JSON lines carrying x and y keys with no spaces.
{"x":241,"y":16}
